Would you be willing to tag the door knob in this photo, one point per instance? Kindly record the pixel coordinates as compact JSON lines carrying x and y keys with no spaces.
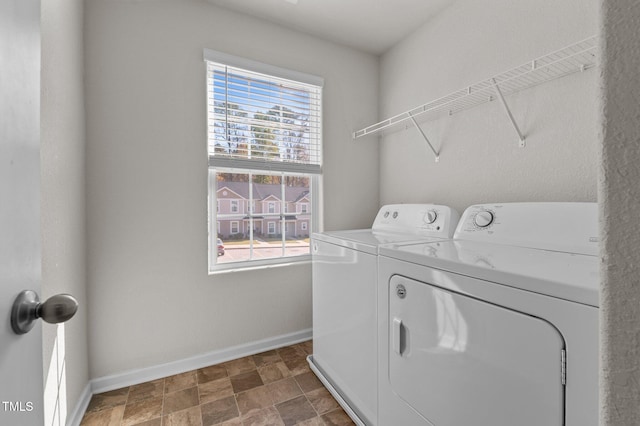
{"x":27,"y":308}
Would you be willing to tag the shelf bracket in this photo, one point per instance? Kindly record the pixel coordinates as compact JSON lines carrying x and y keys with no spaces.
{"x":415,"y":123}
{"x":508,"y":111}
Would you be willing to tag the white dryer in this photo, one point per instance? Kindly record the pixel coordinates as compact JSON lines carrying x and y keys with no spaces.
{"x":345,"y":299}
{"x":497,"y":327}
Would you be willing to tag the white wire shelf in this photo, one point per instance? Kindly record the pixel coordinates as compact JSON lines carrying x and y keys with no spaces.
{"x":571,"y":59}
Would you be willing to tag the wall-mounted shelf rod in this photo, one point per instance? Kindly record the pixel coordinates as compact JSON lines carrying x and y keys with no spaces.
{"x":574,"y":58}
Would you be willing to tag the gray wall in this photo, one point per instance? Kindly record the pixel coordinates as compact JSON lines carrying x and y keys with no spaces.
{"x":150,"y":298}
{"x":63,"y":195}
{"x":619,"y":194}
{"x":480,"y":160}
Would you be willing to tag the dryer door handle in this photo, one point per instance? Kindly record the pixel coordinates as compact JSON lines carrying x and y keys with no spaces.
{"x":397,"y":332}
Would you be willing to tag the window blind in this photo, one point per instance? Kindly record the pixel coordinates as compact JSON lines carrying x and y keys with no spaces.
{"x":262,"y":122}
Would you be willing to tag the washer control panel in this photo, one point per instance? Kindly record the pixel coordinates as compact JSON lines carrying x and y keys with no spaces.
{"x":418,"y":219}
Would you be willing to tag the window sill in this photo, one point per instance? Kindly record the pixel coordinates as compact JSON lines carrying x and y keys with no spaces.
{"x":253,"y":265}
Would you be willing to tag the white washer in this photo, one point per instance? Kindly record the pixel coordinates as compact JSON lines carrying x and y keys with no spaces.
{"x":345,"y":299}
{"x":498,"y":326}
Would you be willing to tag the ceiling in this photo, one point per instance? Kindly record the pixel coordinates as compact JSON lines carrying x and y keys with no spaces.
{"x":369,"y":25}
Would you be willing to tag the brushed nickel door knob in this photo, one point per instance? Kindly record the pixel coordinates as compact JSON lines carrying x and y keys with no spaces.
{"x":27,"y":308}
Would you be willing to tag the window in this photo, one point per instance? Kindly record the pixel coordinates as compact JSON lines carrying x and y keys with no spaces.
{"x":235,"y":227}
{"x":264,"y":149}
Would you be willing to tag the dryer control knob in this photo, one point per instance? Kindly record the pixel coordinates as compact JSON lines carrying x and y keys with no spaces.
{"x":431,"y":216}
{"x":483,"y":219}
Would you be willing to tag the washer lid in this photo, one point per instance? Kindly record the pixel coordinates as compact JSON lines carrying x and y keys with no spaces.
{"x":367,"y":240}
{"x":397,"y":223}
{"x":568,"y":276}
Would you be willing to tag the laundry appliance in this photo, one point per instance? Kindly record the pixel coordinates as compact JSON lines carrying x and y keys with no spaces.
{"x":345,"y":304}
{"x":498,"y":326}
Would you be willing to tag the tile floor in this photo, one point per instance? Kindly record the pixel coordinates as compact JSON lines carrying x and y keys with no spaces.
{"x":272,"y":388}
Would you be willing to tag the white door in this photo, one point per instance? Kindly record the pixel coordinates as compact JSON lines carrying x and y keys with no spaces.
{"x":457,"y":360}
{"x":21,"y":389}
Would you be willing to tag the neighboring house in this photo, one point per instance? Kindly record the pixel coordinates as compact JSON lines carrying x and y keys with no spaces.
{"x":234,"y":206}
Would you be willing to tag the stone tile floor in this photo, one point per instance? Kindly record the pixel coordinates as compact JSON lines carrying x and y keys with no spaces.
{"x":271,"y":388}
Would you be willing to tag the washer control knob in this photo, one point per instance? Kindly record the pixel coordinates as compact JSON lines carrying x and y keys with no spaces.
{"x":431,"y":216}
{"x":483,"y":219}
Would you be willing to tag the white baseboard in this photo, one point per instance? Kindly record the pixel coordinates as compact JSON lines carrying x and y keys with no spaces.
{"x":76,"y":416}
{"x":134,"y":377}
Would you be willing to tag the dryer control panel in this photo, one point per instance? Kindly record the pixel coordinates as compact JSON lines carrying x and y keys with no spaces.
{"x":418,"y":219}
{"x":566,"y":227}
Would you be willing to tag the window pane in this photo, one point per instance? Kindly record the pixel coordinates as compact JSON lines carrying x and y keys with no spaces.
{"x":297,"y":216}
{"x":232,"y":193}
{"x":260,"y":117}
{"x":267,"y":190}
{"x":262,"y":216}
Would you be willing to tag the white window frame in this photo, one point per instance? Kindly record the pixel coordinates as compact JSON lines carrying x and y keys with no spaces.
{"x":312,"y":171}
{"x":234,"y":206}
